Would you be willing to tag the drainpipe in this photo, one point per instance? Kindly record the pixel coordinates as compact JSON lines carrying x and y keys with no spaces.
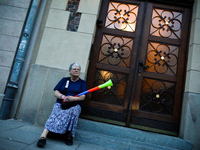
{"x":12,"y":86}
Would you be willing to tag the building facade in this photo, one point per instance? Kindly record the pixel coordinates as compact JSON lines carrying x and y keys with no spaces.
{"x":149,"y":49}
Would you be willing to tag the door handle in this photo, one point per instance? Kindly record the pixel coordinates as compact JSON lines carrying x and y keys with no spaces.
{"x":99,"y":23}
{"x":142,"y":66}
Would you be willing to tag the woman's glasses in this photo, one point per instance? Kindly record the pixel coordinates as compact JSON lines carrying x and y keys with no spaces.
{"x":75,"y":69}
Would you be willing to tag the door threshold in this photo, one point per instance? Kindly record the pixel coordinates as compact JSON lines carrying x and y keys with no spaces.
{"x":98,"y":119}
{"x":148,"y":129}
{"x":153,"y":130}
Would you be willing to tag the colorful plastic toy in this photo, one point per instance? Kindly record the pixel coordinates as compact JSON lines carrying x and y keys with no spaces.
{"x":106,"y":84}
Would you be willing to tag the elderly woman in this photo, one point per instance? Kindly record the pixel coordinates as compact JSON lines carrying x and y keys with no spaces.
{"x":64,"y":120}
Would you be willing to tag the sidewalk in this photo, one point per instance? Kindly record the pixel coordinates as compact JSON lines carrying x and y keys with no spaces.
{"x":17,"y":135}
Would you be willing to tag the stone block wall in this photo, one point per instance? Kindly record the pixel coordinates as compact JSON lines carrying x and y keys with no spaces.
{"x":58,"y":48}
{"x":64,"y":47}
{"x":190,"y":120}
{"x":11,"y":25}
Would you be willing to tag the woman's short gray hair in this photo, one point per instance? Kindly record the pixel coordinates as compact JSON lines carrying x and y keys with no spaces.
{"x":74,"y":64}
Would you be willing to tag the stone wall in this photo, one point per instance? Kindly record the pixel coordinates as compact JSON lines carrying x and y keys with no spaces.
{"x":12,"y":16}
{"x":65,"y":47}
{"x":190,"y":120}
{"x":57,"y":50}
{"x":74,"y":17}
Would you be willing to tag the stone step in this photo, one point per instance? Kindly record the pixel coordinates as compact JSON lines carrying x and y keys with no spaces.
{"x":117,"y":137}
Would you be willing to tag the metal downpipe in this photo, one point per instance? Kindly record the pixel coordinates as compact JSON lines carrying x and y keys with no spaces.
{"x":12,"y":87}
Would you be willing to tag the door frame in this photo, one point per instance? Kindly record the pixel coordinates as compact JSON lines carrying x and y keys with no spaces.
{"x":131,"y":86}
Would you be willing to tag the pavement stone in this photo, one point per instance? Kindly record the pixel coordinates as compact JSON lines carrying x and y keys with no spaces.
{"x":17,"y":135}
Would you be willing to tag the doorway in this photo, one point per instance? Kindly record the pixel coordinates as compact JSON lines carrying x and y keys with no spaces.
{"x":142,"y":47}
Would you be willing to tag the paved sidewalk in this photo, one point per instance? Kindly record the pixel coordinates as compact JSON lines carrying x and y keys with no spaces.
{"x":17,"y":135}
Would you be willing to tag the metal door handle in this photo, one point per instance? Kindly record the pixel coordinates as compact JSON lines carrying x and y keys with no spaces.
{"x":142,"y":66}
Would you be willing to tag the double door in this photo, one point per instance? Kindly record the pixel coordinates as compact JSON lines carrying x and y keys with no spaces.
{"x":142,"y":48}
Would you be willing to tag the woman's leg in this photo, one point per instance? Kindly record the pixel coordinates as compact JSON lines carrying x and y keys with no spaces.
{"x":74,"y":119}
{"x":42,"y":140}
{"x":74,"y":115}
{"x":44,"y":133}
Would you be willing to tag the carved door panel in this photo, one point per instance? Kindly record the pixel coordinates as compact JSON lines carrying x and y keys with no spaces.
{"x":142,"y":48}
{"x":159,"y":89}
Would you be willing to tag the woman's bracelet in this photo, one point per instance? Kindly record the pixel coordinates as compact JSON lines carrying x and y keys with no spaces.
{"x":61,"y":96}
{"x":64,"y":99}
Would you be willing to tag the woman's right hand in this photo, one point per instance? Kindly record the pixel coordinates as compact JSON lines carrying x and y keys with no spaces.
{"x":68,"y":98}
{"x":65,"y":99}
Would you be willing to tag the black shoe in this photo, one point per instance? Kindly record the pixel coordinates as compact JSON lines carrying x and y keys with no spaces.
{"x":69,"y":140}
{"x":41,"y":142}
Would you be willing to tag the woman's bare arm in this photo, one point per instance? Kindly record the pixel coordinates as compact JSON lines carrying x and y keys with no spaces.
{"x":57,"y":94}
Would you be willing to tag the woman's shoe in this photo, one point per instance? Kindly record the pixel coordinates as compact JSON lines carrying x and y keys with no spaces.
{"x":41,"y":142}
{"x":69,"y":140}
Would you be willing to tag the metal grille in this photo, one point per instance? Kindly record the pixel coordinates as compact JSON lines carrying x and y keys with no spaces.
{"x":166,"y":23}
{"x":121,"y":16}
{"x":162,"y":58}
{"x":157,"y":96}
{"x":114,"y":95}
{"x":115,"y":51}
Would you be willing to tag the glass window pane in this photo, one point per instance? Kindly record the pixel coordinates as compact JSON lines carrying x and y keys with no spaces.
{"x":112,"y":95}
{"x":157,"y":96}
{"x":162,"y":58}
{"x":115,"y":50}
{"x":121,"y":16}
{"x":166,"y":23}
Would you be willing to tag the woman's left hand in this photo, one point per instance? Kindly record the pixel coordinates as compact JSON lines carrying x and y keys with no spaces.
{"x":69,"y":98}
{"x":72,"y":98}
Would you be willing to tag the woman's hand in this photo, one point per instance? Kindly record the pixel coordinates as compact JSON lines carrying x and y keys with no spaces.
{"x":69,"y":98}
{"x":72,"y":98}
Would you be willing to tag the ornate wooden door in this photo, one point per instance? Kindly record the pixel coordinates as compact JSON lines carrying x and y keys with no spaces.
{"x":142,"y":47}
